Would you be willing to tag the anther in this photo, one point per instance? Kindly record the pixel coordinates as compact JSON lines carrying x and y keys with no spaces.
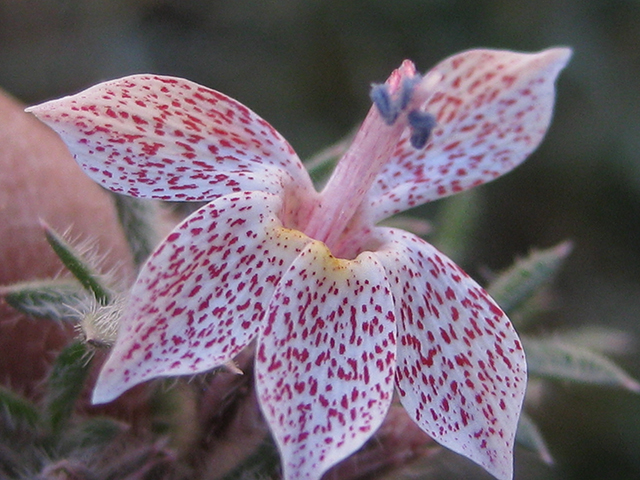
{"x":422,"y":124}
{"x":406,"y":91}
{"x":387,"y":108}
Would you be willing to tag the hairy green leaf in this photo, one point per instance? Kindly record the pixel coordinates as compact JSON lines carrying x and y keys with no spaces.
{"x":17,"y":409}
{"x":600,"y":339}
{"x":92,"y":433}
{"x":80,"y":269}
{"x":263,"y":461}
{"x":512,"y":288}
{"x":529,"y":436}
{"x":54,"y":299}
{"x":65,"y":383}
{"x":551,"y":358}
{"x":20,"y":435}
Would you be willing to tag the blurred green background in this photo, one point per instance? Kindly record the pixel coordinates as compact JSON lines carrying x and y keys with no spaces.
{"x":306,"y":66}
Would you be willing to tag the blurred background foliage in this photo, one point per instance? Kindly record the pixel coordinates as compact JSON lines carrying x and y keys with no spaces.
{"x":306,"y":66}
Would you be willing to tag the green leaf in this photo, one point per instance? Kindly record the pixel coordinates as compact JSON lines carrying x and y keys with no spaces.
{"x":529,"y":436}
{"x":21,"y":435}
{"x":599,"y":339}
{"x":54,"y":299}
{"x":80,"y":269}
{"x":264,"y":461}
{"x":174,"y":414}
{"x":551,"y":358}
{"x":147,"y":461}
{"x":531,"y":308}
{"x":94,"y":432}
{"x":138,"y":218}
{"x":17,"y":410}
{"x":65,"y":384}
{"x":99,"y":430}
{"x":512,"y":288}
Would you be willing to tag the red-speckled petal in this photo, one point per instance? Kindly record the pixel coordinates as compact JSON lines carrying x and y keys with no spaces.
{"x":326,"y":359}
{"x":202,"y":295}
{"x":461,"y":368}
{"x":172,"y":139}
{"x":492,"y":107}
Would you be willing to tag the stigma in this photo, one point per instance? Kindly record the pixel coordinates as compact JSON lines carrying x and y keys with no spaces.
{"x":393,"y":106}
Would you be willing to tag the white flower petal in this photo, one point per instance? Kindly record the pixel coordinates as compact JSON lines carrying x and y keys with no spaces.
{"x":171,"y":139}
{"x":461,"y":367}
{"x":326,"y":359}
{"x":493,"y":107}
{"x":202,"y":295}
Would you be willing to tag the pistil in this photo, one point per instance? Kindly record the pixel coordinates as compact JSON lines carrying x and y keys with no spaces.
{"x":394,"y":110}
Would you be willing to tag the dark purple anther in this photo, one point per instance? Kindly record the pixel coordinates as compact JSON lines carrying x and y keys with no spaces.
{"x":422,"y":124}
{"x":387,"y":108}
{"x":406,"y":92}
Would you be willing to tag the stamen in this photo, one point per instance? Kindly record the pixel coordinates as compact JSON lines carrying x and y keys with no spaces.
{"x":406,"y":92}
{"x":395,"y":103}
{"x":421,"y":120}
{"x":422,"y":124}
{"x":390,"y":108}
{"x":387,"y":108}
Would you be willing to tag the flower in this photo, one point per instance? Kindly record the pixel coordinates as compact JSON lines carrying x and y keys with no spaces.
{"x":343,"y":311}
